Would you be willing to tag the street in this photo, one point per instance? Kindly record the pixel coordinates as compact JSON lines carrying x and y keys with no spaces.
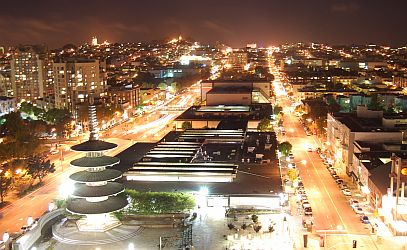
{"x":150,"y":127}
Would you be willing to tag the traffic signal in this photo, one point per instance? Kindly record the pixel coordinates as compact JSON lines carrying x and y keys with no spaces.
{"x":354,"y":243}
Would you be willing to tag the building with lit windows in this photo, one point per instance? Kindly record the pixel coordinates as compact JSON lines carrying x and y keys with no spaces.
{"x":127,"y":96}
{"x":238,"y":60}
{"x":74,"y":79}
{"x":344,"y":129}
{"x":30,"y":73}
{"x":6,"y":89}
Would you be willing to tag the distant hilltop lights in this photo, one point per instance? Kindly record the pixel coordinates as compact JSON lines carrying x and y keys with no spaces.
{"x":174,"y":40}
{"x":95,"y":42}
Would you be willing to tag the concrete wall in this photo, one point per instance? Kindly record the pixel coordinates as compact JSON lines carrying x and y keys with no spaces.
{"x":197,"y":124}
{"x":27,"y":240}
{"x":250,"y":201}
{"x":228,"y":99}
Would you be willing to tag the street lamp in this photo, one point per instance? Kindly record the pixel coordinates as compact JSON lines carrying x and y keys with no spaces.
{"x":6,"y":236}
{"x":30,"y":221}
{"x":51,"y":206}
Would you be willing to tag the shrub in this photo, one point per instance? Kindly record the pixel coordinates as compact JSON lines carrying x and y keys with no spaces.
{"x":257,"y":228}
{"x":159,"y":202}
{"x":255,"y":218}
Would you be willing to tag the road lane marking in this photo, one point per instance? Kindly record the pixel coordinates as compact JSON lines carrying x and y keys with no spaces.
{"x":317,"y":173}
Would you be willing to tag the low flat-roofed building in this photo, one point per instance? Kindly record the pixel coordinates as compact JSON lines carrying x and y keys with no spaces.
{"x":239,"y":117}
{"x":260,"y":91}
{"x":343,"y":129}
{"x":233,"y":175}
{"x":233,"y":96}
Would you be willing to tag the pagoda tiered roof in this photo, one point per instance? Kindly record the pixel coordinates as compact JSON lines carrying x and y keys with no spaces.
{"x":87,"y":176}
{"x":85,"y":191}
{"x":91,"y":162}
{"x":94,"y":146}
{"x":84,"y":207}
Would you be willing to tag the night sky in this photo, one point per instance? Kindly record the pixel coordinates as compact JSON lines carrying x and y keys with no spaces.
{"x":237,"y":22}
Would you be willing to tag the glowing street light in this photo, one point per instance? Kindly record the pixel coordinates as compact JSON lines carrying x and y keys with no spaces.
{"x":204,"y":191}
{"x":30,"y":221}
{"x":131,"y":246}
{"x":66,"y":189}
{"x":6,"y":236}
{"x":51,"y":206}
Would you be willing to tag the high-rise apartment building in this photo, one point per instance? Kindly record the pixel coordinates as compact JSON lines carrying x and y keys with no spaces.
{"x":30,"y":73}
{"x":238,"y":59}
{"x":75,"y":79}
{"x":6,"y":89}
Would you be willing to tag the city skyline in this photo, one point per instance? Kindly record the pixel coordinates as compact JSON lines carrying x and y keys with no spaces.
{"x":234,"y":23}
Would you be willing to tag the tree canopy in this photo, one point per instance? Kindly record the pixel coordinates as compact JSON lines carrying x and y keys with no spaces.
{"x":186,"y":125}
{"x":285,"y":148}
{"x":159,"y":202}
{"x":5,"y":183}
{"x":38,"y":168}
{"x":265,"y":125}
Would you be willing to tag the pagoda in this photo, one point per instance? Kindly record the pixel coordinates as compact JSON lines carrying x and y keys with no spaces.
{"x":95,"y":193}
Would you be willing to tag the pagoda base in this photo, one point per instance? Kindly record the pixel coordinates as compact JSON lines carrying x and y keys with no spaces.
{"x":97,"y":223}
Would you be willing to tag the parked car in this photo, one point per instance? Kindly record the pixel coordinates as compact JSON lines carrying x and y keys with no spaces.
{"x":339,"y":181}
{"x":354,"y":203}
{"x":305,"y":205}
{"x":308,"y":211}
{"x":335,"y":176}
{"x":301,"y":192}
{"x":309,"y":149}
{"x":292,"y":165}
{"x":346,"y":192}
{"x":364,"y":219}
{"x":54,"y":152}
{"x":358,"y":210}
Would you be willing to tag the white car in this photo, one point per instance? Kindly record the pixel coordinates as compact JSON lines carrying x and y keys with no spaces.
{"x":354,"y":203}
{"x":347,"y":192}
{"x":358,"y":210}
{"x":54,"y":152}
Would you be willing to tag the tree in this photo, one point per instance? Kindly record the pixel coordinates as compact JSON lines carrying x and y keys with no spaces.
{"x":277,"y":109}
{"x":321,"y":123}
{"x":265,"y":125}
{"x":21,"y":138}
{"x":38,"y":168}
{"x":375,"y":103}
{"x":175,"y":87}
{"x":159,"y":202}
{"x":5,"y":183}
{"x":186,"y":125}
{"x":162,"y":86}
{"x":285,"y":148}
